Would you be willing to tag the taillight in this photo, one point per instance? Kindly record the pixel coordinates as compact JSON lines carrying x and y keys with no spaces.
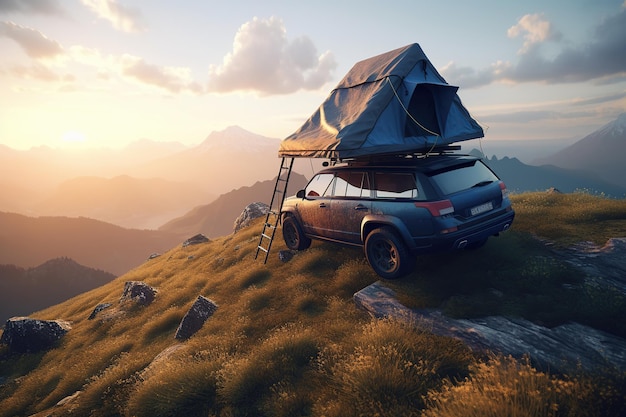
{"x":505,"y":192}
{"x":437,"y":208}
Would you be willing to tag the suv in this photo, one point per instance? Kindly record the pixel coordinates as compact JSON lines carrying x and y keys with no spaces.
{"x":397,"y":208}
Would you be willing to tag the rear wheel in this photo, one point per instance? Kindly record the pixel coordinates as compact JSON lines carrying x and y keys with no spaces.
{"x":293,"y":234}
{"x":387,"y":254}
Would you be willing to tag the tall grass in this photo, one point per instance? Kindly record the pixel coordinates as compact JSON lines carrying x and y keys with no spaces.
{"x":287,"y":339}
{"x":503,"y":386}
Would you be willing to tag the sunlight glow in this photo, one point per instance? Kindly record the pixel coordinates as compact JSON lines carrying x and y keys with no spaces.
{"x":73,"y":137}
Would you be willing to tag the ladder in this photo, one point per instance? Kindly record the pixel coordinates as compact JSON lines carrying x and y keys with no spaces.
{"x":273,"y":214}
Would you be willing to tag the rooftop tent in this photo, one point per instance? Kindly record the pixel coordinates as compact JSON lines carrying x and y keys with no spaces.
{"x":392,"y":103}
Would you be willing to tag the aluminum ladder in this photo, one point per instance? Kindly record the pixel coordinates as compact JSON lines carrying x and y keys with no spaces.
{"x":273,"y":214}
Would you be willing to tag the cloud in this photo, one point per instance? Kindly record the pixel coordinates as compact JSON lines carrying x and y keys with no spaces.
{"x":600,"y":100}
{"x":264,"y":61}
{"x":534,"y":29}
{"x":47,"y":7}
{"x":470,"y":78}
{"x":121,"y":17}
{"x":601,"y":58}
{"x":174,"y":80}
{"x":34,"y":43}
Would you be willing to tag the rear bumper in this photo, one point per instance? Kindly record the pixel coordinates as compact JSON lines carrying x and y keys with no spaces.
{"x":462,"y":238}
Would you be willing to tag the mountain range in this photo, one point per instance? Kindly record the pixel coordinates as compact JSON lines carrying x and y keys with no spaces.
{"x":90,"y":206}
{"x":24,"y":290}
{"x":601,"y":153}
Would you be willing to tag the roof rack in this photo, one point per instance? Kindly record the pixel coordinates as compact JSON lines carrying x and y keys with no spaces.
{"x":382,"y":158}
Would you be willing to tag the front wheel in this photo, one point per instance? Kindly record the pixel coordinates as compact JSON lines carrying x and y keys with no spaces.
{"x":293,"y":234}
{"x":387,"y":254}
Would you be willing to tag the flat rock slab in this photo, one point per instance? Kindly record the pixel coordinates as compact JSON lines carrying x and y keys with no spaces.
{"x":559,"y":348}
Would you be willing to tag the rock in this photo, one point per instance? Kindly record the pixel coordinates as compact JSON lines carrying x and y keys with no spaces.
{"x":138,"y":292}
{"x":160,"y":359}
{"x":553,"y":190}
{"x":560,"y":348}
{"x":607,"y":262}
{"x":196,"y":240}
{"x":24,"y":334}
{"x":154,"y":255}
{"x":285,"y":255}
{"x":98,"y":309}
{"x":251,"y":212}
{"x":200,"y":311}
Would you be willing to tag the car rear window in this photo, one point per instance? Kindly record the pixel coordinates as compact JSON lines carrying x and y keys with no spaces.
{"x":463,"y":177}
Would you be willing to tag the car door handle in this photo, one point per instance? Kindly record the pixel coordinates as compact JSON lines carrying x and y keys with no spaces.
{"x":360,"y":207}
{"x":322,"y":205}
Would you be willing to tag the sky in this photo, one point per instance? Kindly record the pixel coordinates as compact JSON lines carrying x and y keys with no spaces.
{"x":106,"y":73}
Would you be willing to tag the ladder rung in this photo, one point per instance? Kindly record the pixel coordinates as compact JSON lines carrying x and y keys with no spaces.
{"x":262,"y":248}
{"x":271,"y":226}
{"x":266,"y":236}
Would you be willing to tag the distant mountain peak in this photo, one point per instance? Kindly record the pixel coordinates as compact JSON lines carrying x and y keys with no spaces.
{"x":238,"y":139}
{"x":615,"y":128}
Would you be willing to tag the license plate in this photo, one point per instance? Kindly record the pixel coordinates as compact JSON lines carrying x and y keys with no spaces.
{"x":481,"y":209}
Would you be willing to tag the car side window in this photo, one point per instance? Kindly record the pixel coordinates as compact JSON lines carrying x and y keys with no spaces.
{"x":318,"y":185}
{"x":350,"y":184}
{"x":395,"y":185}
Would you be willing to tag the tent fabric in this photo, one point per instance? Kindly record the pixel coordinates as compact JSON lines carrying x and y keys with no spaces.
{"x":393,"y":103}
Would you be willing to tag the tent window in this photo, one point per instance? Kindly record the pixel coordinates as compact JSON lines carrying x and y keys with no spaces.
{"x":422,"y":108}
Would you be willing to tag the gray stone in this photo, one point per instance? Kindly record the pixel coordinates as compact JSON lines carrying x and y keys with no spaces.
{"x":196,"y":240}
{"x":285,"y":255}
{"x":560,"y":348}
{"x":251,"y":212}
{"x":98,"y":309}
{"x":138,"y":292}
{"x":200,"y":311}
{"x":24,"y":334}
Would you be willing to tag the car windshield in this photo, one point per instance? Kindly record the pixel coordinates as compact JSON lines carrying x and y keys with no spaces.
{"x":462,"y":177}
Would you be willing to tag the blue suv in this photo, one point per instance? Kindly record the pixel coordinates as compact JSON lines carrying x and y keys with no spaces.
{"x":399,"y":207}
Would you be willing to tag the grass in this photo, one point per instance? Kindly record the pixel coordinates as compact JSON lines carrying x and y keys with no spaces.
{"x":287,"y":339}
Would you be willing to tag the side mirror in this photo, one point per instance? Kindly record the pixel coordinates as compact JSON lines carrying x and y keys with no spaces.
{"x":300,"y":194}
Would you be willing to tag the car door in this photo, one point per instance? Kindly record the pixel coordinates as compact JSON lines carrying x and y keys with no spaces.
{"x":314,"y":209}
{"x":349,"y":205}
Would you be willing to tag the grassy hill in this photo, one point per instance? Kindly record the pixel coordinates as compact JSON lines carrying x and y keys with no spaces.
{"x":287,"y":339}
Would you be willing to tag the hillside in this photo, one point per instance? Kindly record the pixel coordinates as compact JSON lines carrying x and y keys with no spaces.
{"x":601,"y":153}
{"x":287,"y":339}
{"x":23,"y":291}
{"x":217,"y":218}
{"x":31,"y":241}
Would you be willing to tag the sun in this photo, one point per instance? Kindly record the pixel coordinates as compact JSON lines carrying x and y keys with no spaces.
{"x":73,"y":136}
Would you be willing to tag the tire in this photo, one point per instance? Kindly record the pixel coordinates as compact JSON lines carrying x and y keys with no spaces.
{"x":293,"y":235}
{"x":387,"y":254}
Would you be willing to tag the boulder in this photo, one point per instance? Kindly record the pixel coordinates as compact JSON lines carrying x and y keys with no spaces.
{"x":560,"y":348}
{"x":97,"y":309}
{"x":196,"y":240}
{"x":251,"y":212}
{"x":138,"y":292}
{"x":200,"y":311}
{"x":24,"y":334}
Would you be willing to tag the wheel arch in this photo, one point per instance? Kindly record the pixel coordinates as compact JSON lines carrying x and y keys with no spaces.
{"x":374,"y":221}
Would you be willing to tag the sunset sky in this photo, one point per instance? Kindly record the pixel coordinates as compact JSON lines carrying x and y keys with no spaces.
{"x":105,"y":73}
